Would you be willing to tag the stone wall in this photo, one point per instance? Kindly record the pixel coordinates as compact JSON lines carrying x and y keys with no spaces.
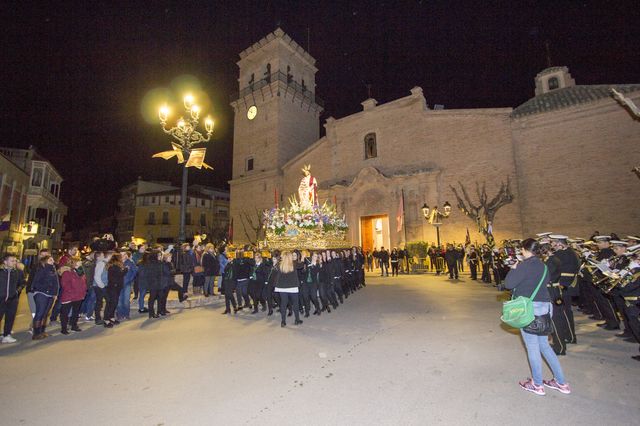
{"x":574,"y":169}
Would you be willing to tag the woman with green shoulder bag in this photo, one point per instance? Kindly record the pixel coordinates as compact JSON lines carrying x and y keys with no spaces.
{"x":528,"y":278}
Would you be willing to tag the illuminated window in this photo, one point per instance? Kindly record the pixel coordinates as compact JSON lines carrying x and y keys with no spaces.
{"x":370,"y":148}
{"x":553,"y":83}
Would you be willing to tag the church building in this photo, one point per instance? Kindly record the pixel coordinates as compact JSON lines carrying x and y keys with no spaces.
{"x":567,"y":153}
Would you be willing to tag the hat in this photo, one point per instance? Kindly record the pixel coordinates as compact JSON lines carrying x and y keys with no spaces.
{"x":598,"y":238}
{"x":619,"y":243}
{"x":558,"y":237}
{"x":633,"y":237}
{"x":543,"y":234}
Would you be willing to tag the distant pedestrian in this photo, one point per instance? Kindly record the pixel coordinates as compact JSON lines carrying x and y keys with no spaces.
{"x":74,"y":289}
{"x":45,"y":289}
{"x":10,"y":285}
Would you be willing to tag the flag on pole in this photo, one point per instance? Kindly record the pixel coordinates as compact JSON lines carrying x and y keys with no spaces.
{"x":400,"y":215}
{"x":230,"y":232}
{"x":467,"y":240}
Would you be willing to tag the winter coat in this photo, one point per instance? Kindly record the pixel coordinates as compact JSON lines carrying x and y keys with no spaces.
{"x":115,"y":276}
{"x":187,"y":262}
{"x":222,"y":260}
{"x":210,"y":265}
{"x":150,"y":275}
{"x":167,"y":275}
{"x":132,"y":271}
{"x":10,"y":282}
{"x":46,"y":281}
{"x":89,"y":267}
{"x":74,"y":286}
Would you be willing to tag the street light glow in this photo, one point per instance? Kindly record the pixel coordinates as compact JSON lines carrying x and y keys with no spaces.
{"x":195,"y":112}
{"x":208,"y":124}
{"x":164,"y":113}
{"x":188,"y":101}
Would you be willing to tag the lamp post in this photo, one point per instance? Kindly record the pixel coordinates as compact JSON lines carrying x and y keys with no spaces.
{"x":186,"y":136}
{"x":434,"y":216}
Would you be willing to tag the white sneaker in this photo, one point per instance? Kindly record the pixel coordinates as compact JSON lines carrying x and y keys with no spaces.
{"x":8,"y":339}
{"x":88,"y":318}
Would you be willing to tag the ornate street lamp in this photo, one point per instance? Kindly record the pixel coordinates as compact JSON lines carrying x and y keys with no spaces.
{"x":435,"y":216}
{"x":185,"y":137}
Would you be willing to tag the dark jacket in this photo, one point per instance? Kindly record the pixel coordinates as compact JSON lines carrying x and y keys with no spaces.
{"x":451,"y":256}
{"x":9,"y":283}
{"x":242,"y":268}
{"x":150,"y":275}
{"x":46,"y":281}
{"x":115,"y":276}
{"x":288,"y":280}
{"x":261,"y":273}
{"x":167,"y":274}
{"x":33,"y":270}
{"x":524,"y":279}
{"x":187,"y":262}
{"x":89,"y":267}
{"x":210,"y":264}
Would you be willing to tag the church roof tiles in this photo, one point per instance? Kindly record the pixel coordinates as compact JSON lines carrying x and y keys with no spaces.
{"x":570,"y":96}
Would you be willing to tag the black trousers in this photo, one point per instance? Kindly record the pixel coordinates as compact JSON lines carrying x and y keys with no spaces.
{"x":267,"y":296}
{"x":567,"y":309}
{"x":101,"y":295}
{"x":560,"y":332}
{"x":229,"y":290}
{"x":474,"y":270}
{"x":394,"y":269}
{"x":606,"y":308}
{"x":255,"y":292}
{"x":384,"y":268}
{"x":337,"y":288}
{"x":285,"y":299}
{"x":155,"y":295}
{"x":310,"y":295}
{"x":453,"y":269}
{"x":618,"y":302}
{"x":632,"y":311}
{"x":74,"y":309}
{"x":486,"y":273}
{"x":8,"y":309}
{"x":113,"y":293}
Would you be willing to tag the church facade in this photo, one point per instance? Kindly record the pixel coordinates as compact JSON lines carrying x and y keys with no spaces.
{"x":567,"y":153}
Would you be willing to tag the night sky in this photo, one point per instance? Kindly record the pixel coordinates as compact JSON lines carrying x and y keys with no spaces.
{"x":75,"y":74}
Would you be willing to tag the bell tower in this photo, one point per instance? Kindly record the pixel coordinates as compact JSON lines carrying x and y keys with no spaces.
{"x":276,"y":116}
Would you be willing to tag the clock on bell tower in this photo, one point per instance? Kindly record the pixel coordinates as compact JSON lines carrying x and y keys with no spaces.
{"x":276,"y":117}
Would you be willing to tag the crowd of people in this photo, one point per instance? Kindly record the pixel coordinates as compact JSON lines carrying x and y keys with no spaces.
{"x":99,"y":284}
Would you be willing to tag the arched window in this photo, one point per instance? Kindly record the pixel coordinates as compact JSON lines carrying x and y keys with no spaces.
{"x":553,"y":83}
{"x":267,"y":74}
{"x":370,"y":148}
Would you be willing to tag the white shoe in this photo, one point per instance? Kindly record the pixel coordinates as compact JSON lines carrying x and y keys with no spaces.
{"x":8,"y":339}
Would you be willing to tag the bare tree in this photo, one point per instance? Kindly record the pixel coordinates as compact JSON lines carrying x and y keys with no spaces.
{"x":483,"y":213}
{"x":252,"y":225}
{"x":633,"y":109}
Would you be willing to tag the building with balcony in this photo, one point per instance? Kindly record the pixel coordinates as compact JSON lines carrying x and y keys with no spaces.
{"x":45,"y":212}
{"x":127,"y":204}
{"x":157,"y":214}
{"x":14,"y":185}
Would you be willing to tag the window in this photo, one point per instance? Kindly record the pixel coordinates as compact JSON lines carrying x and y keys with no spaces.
{"x":370,"y":149}
{"x":153,"y":200}
{"x":187,"y":218}
{"x":36,"y":179}
{"x":203,"y":219}
{"x":165,"y":218}
{"x":151,"y":220}
{"x":249,"y":164}
{"x":267,"y":74}
{"x":202,"y":203}
{"x":553,"y":83}
{"x":166,"y":200}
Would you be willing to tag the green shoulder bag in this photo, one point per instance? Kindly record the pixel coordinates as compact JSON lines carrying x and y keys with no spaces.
{"x":518,"y":312}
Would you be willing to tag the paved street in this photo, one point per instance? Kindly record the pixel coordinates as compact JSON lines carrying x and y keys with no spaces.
{"x":412,"y":350}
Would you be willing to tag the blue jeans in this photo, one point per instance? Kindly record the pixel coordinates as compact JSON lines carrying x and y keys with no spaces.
{"x":539,"y":345}
{"x":43,"y":304}
{"x":208,"y":284}
{"x":219,"y":282}
{"x":89,"y":302}
{"x":142,"y":291}
{"x":124,"y":302}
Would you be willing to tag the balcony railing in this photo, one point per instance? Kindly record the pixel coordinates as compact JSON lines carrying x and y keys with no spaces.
{"x":283,"y":78}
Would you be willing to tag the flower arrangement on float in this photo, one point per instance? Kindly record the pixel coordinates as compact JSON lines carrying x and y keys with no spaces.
{"x":296,"y":219}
